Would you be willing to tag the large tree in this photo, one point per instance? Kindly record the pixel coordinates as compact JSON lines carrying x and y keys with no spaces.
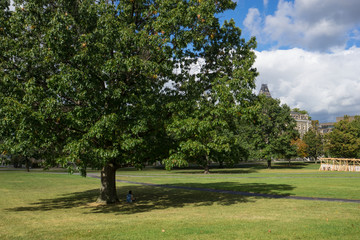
{"x":344,"y":140}
{"x":84,"y":81}
{"x":273,"y":131}
{"x":213,"y":100}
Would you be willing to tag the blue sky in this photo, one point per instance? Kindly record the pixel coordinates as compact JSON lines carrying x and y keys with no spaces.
{"x":308,"y":52}
{"x":241,"y":11}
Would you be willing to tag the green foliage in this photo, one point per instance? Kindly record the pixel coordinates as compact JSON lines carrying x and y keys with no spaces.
{"x":314,"y":141}
{"x":273,"y":131}
{"x":344,"y":140}
{"x":84,"y":81}
{"x":300,"y":111}
{"x":211,"y":102}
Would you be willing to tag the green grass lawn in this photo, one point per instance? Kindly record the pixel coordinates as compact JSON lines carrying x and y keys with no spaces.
{"x":42,"y":205}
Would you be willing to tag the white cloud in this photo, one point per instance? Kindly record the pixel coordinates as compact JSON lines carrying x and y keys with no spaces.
{"x":309,"y":24}
{"x":253,"y":22}
{"x":327,"y":85}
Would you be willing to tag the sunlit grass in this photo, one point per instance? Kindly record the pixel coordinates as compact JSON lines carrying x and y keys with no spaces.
{"x":40,"y":205}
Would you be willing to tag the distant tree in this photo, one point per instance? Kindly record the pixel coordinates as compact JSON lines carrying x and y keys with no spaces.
{"x":344,"y":140}
{"x":301,"y":148}
{"x":299,"y":111}
{"x":274,"y":130}
{"x":314,"y":141}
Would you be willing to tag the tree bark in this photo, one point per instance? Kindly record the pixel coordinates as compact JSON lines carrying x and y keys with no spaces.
{"x":207,"y":166}
{"x":206,"y":170}
{"x":108,"y":185}
{"x":27,"y":164}
{"x":269,"y":164}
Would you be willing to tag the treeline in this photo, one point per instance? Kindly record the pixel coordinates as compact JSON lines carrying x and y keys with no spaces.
{"x":342,"y":142}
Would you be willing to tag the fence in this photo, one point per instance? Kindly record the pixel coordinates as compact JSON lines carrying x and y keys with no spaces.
{"x":340,"y":164}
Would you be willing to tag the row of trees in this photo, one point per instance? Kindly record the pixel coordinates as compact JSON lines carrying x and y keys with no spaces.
{"x":342,"y":142}
{"x":107,"y":84}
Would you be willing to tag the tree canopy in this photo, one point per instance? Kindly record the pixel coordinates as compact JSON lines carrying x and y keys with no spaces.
{"x":274,"y":129}
{"x":344,"y":140}
{"x":88,"y":81}
{"x":314,"y":142}
{"x":212,"y":101}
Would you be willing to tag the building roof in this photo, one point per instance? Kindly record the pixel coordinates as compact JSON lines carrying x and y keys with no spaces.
{"x":265,"y":90}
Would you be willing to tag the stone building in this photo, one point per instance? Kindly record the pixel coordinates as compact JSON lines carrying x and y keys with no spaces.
{"x":351,"y":118}
{"x":303,"y":123}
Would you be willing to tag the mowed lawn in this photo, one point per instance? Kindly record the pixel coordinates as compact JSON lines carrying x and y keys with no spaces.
{"x":50,"y":205}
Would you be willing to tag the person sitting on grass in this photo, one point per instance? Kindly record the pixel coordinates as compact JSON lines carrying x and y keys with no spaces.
{"x":130,"y":197}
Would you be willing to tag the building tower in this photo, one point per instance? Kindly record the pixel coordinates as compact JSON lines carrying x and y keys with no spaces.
{"x":265,"y":90}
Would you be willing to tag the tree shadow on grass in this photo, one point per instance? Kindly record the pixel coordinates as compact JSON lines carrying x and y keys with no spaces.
{"x":242,"y":168}
{"x":285,"y":165}
{"x":216,"y":171}
{"x":149,"y":198}
{"x":276,"y":165}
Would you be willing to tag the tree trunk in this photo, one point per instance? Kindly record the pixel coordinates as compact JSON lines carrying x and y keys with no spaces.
{"x":206,"y":170}
{"x":108,"y":185}
{"x":27,"y":164}
{"x":269,"y":164}
{"x":221,"y":164}
{"x":207,"y":166}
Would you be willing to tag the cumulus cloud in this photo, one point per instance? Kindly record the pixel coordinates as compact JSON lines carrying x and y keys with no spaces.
{"x":309,"y":24}
{"x":253,"y":22}
{"x":327,"y":85}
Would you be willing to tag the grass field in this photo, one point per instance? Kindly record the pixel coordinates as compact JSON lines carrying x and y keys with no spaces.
{"x":46,"y":205}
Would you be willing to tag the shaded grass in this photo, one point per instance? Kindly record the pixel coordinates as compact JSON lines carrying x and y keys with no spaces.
{"x":346,"y":188}
{"x":60,"y":206}
{"x":306,"y":181}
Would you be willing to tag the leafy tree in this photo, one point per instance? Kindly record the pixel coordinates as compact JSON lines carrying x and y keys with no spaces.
{"x":274,"y":129}
{"x":314,"y":141}
{"x":301,"y":148}
{"x":344,"y":140}
{"x":300,"y":111}
{"x":84,"y":81}
{"x":22,"y":132}
{"x":212,"y":101}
